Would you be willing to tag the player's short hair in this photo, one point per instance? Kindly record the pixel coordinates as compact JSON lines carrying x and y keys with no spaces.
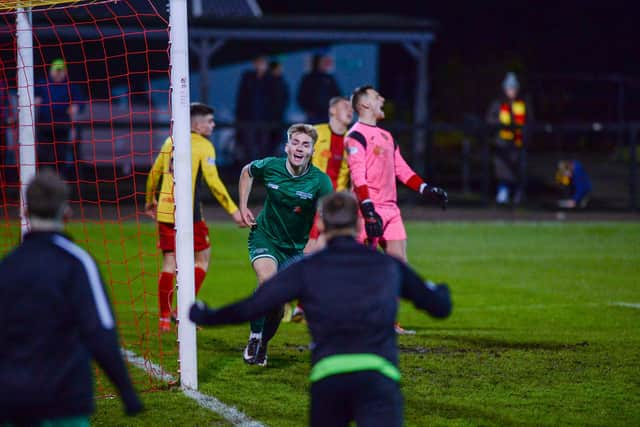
{"x":339,"y":211}
{"x":47,"y":194}
{"x":199,"y":109}
{"x":357,"y":94}
{"x":303,"y":128}
{"x":333,"y":101}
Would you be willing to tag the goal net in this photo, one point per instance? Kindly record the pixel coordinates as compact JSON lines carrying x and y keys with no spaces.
{"x":98,"y":113}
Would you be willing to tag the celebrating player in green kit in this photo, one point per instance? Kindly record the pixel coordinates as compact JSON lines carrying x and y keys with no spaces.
{"x":281,"y":231}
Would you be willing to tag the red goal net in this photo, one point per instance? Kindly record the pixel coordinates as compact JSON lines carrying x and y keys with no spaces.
{"x":101,"y":110}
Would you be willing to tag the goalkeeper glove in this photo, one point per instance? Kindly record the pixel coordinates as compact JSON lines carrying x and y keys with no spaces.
{"x":372,"y":221}
{"x":436,"y":193}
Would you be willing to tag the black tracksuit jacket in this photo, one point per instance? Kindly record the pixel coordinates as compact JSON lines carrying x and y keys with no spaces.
{"x":55,"y":318}
{"x":350,"y":297}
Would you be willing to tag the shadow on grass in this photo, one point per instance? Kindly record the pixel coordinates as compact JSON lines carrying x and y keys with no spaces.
{"x":440,"y":329}
{"x":471,"y":415}
{"x":487,"y":344}
{"x":491,"y":343}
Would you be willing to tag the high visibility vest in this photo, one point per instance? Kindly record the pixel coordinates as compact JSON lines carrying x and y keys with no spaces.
{"x":512,"y":118}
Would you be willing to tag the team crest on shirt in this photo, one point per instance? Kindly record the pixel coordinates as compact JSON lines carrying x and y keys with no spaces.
{"x":378,"y":150}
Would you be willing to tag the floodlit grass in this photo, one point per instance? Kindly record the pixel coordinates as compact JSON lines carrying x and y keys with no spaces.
{"x":535,"y":337}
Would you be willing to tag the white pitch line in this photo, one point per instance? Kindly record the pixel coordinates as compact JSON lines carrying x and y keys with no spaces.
{"x":627,"y":304}
{"x":229,"y":413}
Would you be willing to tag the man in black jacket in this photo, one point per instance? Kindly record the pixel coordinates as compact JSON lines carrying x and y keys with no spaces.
{"x":253,"y":106}
{"x":350,"y":294}
{"x":316,"y":88}
{"x":56,"y":318}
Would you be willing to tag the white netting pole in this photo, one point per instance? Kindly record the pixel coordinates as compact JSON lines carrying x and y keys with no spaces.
{"x":181,"y":134}
{"x":26,"y":129}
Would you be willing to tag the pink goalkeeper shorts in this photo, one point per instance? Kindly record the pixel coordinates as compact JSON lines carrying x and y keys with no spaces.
{"x":392,"y":225}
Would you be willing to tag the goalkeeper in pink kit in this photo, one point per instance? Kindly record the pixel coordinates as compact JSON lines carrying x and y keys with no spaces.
{"x":375,"y":163}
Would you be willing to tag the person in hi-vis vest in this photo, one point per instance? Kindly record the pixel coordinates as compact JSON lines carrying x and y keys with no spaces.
{"x":510,"y":114}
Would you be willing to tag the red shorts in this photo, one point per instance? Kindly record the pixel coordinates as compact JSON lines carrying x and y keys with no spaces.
{"x":167,"y":234}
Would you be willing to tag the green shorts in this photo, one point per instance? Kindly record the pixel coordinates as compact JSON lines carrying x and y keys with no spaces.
{"x":261,"y":246}
{"x":79,"y":421}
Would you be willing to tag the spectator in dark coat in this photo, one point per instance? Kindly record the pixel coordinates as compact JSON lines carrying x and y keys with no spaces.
{"x":278,"y":95}
{"x":317,"y":88}
{"x":252,"y":110}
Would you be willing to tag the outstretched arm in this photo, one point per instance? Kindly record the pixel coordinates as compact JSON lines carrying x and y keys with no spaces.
{"x":96,"y":324}
{"x":433,"y":298}
{"x":408,"y":177}
{"x":283,"y":287}
{"x":244,"y":189}
{"x":217,"y":187}
{"x":153,"y":179}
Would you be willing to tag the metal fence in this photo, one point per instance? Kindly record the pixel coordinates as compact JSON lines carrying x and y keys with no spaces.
{"x":458,"y":156}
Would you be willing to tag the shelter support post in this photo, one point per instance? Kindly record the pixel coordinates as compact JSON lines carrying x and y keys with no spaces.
{"x":205,"y":48}
{"x":421,"y":147}
{"x":633,"y":166}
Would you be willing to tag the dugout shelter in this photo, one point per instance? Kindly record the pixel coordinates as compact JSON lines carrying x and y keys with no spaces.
{"x":210,"y":35}
{"x":214,"y":40}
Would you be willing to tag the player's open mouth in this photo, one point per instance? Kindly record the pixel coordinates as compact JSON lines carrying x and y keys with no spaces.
{"x":298,"y":157}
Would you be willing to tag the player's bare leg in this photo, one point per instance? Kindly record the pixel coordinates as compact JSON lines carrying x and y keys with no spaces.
{"x":265,"y":268}
{"x":398,"y":249}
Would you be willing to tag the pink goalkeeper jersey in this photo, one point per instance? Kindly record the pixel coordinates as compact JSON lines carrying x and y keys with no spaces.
{"x":375,"y":161}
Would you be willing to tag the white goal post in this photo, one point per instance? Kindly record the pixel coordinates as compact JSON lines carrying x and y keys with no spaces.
{"x":181,"y":134}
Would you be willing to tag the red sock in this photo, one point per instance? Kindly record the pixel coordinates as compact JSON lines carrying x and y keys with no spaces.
{"x":165,"y":293}
{"x":199,"y":278}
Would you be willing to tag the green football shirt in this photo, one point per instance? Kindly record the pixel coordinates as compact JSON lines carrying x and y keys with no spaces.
{"x":290,"y":206}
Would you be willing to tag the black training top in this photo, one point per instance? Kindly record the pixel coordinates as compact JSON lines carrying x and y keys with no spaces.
{"x":350,"y":297}
{"x":55,"y":318}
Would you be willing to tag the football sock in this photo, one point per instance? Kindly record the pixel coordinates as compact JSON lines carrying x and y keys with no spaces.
{"x":271,"y":323}
{"x":257,"y":326}
{"x":255,"y":335}
{"x":165,"y":293}
{"x":199,"y":278}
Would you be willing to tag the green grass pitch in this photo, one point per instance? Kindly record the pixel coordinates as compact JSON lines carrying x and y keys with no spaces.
{"x":537,"y":335}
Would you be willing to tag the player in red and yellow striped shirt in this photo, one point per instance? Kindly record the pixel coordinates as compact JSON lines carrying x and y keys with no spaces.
{"x":329,"y":153}
{"x":203,"y":168}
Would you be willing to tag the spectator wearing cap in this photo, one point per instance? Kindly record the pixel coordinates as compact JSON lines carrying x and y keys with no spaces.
{"x":509,"y":114}
{"x":57,"y":104}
